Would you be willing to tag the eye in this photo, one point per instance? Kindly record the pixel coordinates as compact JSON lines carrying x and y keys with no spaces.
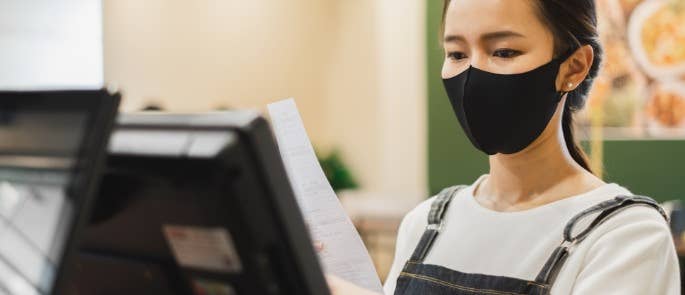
{"x":506,"y":53}
{"x":456,"y":55}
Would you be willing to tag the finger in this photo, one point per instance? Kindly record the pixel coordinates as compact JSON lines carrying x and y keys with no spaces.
{"x":318,"y":246}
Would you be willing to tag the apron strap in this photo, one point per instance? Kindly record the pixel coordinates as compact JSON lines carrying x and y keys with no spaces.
{"x":435,"y":217}
{"x":606,"y":209}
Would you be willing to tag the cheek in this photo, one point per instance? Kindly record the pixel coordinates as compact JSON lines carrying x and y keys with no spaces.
{"x":527,"y":62}
{"x":451,"y":68}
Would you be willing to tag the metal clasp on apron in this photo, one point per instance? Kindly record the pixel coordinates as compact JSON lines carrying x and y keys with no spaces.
{"x":435,"y":227}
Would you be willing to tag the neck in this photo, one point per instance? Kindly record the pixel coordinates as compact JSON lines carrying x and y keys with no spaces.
{"x":527,"y":177}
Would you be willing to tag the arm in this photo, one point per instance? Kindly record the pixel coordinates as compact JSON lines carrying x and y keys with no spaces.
{"x":408,"y":235}
{"x":402,"y":252}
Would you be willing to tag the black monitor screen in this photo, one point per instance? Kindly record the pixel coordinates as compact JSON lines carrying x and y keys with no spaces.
{"x":42,"y":150}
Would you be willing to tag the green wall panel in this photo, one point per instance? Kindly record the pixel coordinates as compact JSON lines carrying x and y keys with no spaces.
{"x":652,"y":168}
{"x":451,"y":158}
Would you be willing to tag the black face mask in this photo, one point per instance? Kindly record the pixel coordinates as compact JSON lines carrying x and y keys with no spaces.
{"x":504,"y":113}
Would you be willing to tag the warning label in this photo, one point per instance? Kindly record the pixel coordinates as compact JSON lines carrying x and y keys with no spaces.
{"x":205,"y":287}
{"x":205,"y":248}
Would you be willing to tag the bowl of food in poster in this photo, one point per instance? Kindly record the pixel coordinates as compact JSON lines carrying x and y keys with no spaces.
{"x":656,"y":34}
{"x":665,"y":109}
{"x":628,"y":6}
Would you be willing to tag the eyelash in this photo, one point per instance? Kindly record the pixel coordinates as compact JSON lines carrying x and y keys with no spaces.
{"x":456,"y":55}
{"x":506,"y":53}
{"x":499,"y":53}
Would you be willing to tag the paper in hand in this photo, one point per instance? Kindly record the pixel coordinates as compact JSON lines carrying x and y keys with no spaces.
{"x":344,"y":254}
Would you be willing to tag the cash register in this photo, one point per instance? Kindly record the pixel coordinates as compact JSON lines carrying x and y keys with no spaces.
{"x":195,"y":204}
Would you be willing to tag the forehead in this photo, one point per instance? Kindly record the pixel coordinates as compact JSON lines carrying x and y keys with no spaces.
{"x":464,"y":17}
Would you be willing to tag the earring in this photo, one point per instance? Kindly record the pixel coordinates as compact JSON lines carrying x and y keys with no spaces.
{"x":569,"y":85}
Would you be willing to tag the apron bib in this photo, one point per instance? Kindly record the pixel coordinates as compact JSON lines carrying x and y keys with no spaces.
{"x":419,"y":278}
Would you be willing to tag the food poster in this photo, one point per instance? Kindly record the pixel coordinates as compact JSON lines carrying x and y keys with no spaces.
{"x":640,"y":91}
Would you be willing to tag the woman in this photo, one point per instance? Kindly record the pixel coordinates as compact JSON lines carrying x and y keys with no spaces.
{"x":515,"y":72}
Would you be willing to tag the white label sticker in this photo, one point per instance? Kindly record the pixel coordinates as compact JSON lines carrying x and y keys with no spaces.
{"x":206,"y":248}
{"x":206,"y":287}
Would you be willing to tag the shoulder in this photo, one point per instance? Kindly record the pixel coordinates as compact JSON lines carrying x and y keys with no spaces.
{"x":633,"y":224}
{"x":633,"y":215}
{"x":421,"y":211}
{"x":636,"y":232}
{"x":638,"y":239}
{"x":630,"y":218}
{"x":416,"y":220}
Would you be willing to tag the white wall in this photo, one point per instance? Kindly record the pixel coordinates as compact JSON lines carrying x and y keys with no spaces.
{"x":376,"y":93}
{"x":50,"y":44}
{"x":403,"y":95}
{"x":355,"y":67}
{"x":206,"y":54}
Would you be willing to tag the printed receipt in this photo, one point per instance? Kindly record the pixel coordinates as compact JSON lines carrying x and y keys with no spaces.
{"x":344,"y":254}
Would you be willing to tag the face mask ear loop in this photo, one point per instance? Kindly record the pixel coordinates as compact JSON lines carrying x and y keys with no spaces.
{"x":561,"y":95}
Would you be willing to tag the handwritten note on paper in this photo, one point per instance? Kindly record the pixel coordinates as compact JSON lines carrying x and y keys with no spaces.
{"x":344,"y":254}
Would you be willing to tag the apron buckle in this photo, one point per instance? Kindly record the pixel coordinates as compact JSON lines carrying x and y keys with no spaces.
{"x":436,"y":227}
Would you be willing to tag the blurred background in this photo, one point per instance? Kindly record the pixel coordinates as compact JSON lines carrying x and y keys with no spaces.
{"x":366,"y":78}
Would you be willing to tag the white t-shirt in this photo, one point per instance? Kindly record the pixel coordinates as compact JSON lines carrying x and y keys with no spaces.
{"x":631,"y":253}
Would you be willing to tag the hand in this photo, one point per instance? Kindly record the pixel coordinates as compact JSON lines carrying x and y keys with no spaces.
{"x":318,"y":246}
{"x":339,"y":286}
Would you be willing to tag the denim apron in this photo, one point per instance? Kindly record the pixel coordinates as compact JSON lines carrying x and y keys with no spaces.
{"x":419,"y":278}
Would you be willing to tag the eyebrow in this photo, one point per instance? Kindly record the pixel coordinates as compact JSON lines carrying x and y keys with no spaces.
{"x":486,"y":37}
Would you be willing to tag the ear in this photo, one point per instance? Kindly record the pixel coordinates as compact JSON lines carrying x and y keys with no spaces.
{"x":573,"y":71}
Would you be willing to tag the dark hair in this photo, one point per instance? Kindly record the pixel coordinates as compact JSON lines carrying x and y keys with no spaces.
{"x":573,"y":24}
